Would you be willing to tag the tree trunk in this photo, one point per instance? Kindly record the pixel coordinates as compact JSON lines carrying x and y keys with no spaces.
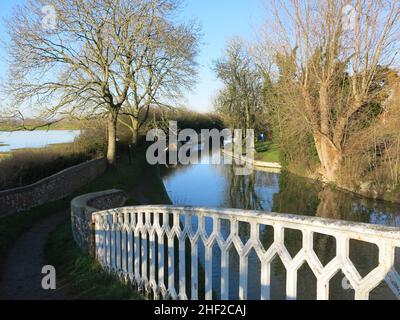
{"x":324,"y":108}
{"x":247,"y":115}
{"x":135,"y":130}
{"x":330,"y":157}
{"x":112,"y":138}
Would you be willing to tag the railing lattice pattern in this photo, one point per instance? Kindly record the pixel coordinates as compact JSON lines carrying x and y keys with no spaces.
{"x":131,"y":242}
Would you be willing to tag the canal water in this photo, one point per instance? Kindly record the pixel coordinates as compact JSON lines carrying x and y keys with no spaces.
{"x":211,"y":185}
{"x":35,"y":139}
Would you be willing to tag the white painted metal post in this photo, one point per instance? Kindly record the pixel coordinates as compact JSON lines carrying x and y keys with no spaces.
{"x":208,"y":272}
{"x":265,"y":280}
{"x":243,"y":274}
{"x":195,"y":270}
{"x":225,"y":273}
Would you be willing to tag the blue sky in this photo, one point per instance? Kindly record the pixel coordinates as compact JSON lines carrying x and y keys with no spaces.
{"x":6,"y":8}
{"x":220,"y":20}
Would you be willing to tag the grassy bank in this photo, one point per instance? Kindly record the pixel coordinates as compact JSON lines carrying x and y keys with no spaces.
{"x":82,"y":276}
{"x":74,"y":266}
{"x":25,"y":166}
{"x":267,"y":151}
{"x":78,"y":271}
{"x":4,"y":155}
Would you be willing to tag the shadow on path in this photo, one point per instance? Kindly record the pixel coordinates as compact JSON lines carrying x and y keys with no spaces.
{"x":22,"y":275}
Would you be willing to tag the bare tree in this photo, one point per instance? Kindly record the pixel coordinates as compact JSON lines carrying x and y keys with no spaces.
{"x":84,"y":64}
{"x":165,"y":66}
{"x":333,"y":56}
{"x":240,"y":101}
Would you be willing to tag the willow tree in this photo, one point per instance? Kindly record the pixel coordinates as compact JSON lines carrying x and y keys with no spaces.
{"x":83,"y":62}
{"x":333,"y":57}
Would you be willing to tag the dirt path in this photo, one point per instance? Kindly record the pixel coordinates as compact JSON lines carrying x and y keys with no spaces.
{"x":22,"y":277}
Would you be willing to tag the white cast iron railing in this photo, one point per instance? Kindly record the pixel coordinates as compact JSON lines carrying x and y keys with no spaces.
{"x":122,"y":236}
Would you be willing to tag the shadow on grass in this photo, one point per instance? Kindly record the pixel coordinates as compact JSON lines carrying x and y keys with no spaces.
{"x":82,"y":276}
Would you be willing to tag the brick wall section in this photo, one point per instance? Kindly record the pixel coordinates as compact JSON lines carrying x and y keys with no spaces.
{"x":82,"y":208}
{"x":52,"y":188}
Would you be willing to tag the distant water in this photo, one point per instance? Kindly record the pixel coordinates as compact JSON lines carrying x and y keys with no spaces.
{"x":35,"y":139}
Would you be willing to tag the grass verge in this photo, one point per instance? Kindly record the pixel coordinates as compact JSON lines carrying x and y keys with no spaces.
{"x":4,"y":155}
{"x":77,"y":264}
{"x":267,"y":151}
{"x":77,"y":269}
{"x":82,"y":276}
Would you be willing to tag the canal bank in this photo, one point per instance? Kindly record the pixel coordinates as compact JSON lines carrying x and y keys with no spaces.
{"x":75,"y":269}
{"x":366,"y":189}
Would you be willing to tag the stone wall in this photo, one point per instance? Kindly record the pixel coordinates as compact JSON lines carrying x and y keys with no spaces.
{"x":82,"y":209}
{"x":52,"y":188}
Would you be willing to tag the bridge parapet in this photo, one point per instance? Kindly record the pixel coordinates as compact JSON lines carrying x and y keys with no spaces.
{"x":82,"y":209}
{"x":149,"y":246}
